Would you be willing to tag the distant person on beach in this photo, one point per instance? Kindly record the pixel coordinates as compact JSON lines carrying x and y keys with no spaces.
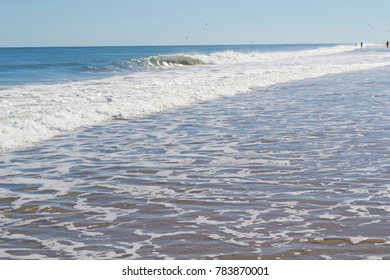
{"x":361,"y":45}
{"x":387,"y":44}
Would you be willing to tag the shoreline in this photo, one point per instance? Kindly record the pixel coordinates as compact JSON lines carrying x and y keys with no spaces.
{"x":285,"y":167}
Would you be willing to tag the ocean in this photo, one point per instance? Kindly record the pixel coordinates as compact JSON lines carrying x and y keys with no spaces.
{"x":195,"y":152}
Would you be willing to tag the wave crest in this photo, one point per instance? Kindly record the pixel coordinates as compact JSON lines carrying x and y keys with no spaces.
{"x":164,"y":61}
{"x":214,"y":58}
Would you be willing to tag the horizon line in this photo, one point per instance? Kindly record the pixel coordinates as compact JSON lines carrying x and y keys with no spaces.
{"x":170,"y":45}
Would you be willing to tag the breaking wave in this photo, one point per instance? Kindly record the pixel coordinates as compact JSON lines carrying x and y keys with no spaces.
{"x":164,"y":61}
{"x":147,"y":63}
{"x":214,"y":58}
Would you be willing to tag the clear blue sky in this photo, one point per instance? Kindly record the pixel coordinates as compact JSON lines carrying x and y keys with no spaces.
{"x":169,"y":22}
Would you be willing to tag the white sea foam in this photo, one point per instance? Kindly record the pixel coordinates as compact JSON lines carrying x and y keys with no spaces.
{"x":33,"y":113}
{"x":229,"y":57}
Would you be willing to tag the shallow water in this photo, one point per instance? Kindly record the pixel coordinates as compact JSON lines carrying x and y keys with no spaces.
{"x":300,"y":170}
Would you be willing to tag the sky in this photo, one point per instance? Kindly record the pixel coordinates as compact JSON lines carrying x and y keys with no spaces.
{"x":33,"y":23}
